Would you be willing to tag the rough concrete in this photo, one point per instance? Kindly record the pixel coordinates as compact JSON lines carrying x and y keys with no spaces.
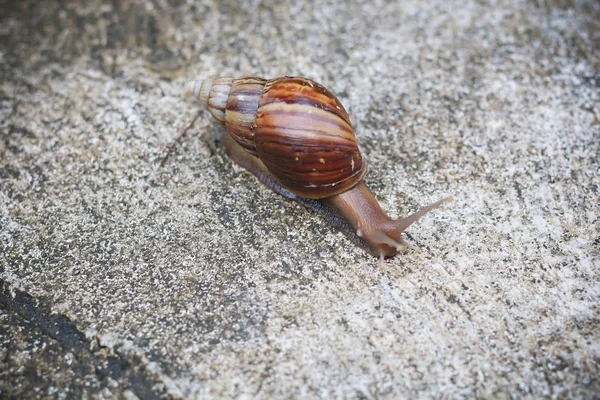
{"x":195,"y":281}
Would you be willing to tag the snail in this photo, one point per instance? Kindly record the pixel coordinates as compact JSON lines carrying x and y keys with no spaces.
{"x":295,"y":136}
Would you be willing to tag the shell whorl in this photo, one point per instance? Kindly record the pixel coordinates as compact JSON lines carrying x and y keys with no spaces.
{"x":200,"y":90}
{"x":213,"y":94}
{"x":305,"y":139}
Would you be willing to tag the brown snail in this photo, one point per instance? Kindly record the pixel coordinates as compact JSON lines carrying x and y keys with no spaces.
{"x":296,"y":137}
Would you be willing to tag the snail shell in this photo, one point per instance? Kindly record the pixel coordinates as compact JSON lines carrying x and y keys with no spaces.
{"x":298,"y":129}
{"x":296,"y":137}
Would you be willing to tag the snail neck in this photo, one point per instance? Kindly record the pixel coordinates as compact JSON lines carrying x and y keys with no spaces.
{"x":379,"y":233}
{"x":371,"y":225}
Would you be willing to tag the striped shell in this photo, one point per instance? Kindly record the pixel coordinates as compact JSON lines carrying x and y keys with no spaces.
{"x":297,"y":127}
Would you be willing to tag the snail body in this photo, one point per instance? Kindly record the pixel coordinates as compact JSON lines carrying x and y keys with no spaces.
{"x":296,"y":137}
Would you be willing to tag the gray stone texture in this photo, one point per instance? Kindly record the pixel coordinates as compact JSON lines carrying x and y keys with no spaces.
{"x":124,"y":280}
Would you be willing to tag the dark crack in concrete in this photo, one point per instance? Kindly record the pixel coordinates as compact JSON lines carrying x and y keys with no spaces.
{"x":44,"y":355}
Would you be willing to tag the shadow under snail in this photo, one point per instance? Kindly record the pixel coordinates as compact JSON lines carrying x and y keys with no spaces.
{"x":295,"y":136}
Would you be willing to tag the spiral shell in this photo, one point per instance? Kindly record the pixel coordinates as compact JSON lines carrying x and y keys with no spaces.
{"x":297,"y":127}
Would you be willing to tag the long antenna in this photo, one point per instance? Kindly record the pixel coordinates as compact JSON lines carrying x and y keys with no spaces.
{"x":181,"y":135}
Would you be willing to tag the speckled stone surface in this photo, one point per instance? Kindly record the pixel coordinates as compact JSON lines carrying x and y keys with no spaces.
{"x":195,"y":281}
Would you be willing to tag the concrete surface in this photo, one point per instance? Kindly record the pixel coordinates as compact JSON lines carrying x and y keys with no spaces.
{"x":123,"y":280}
